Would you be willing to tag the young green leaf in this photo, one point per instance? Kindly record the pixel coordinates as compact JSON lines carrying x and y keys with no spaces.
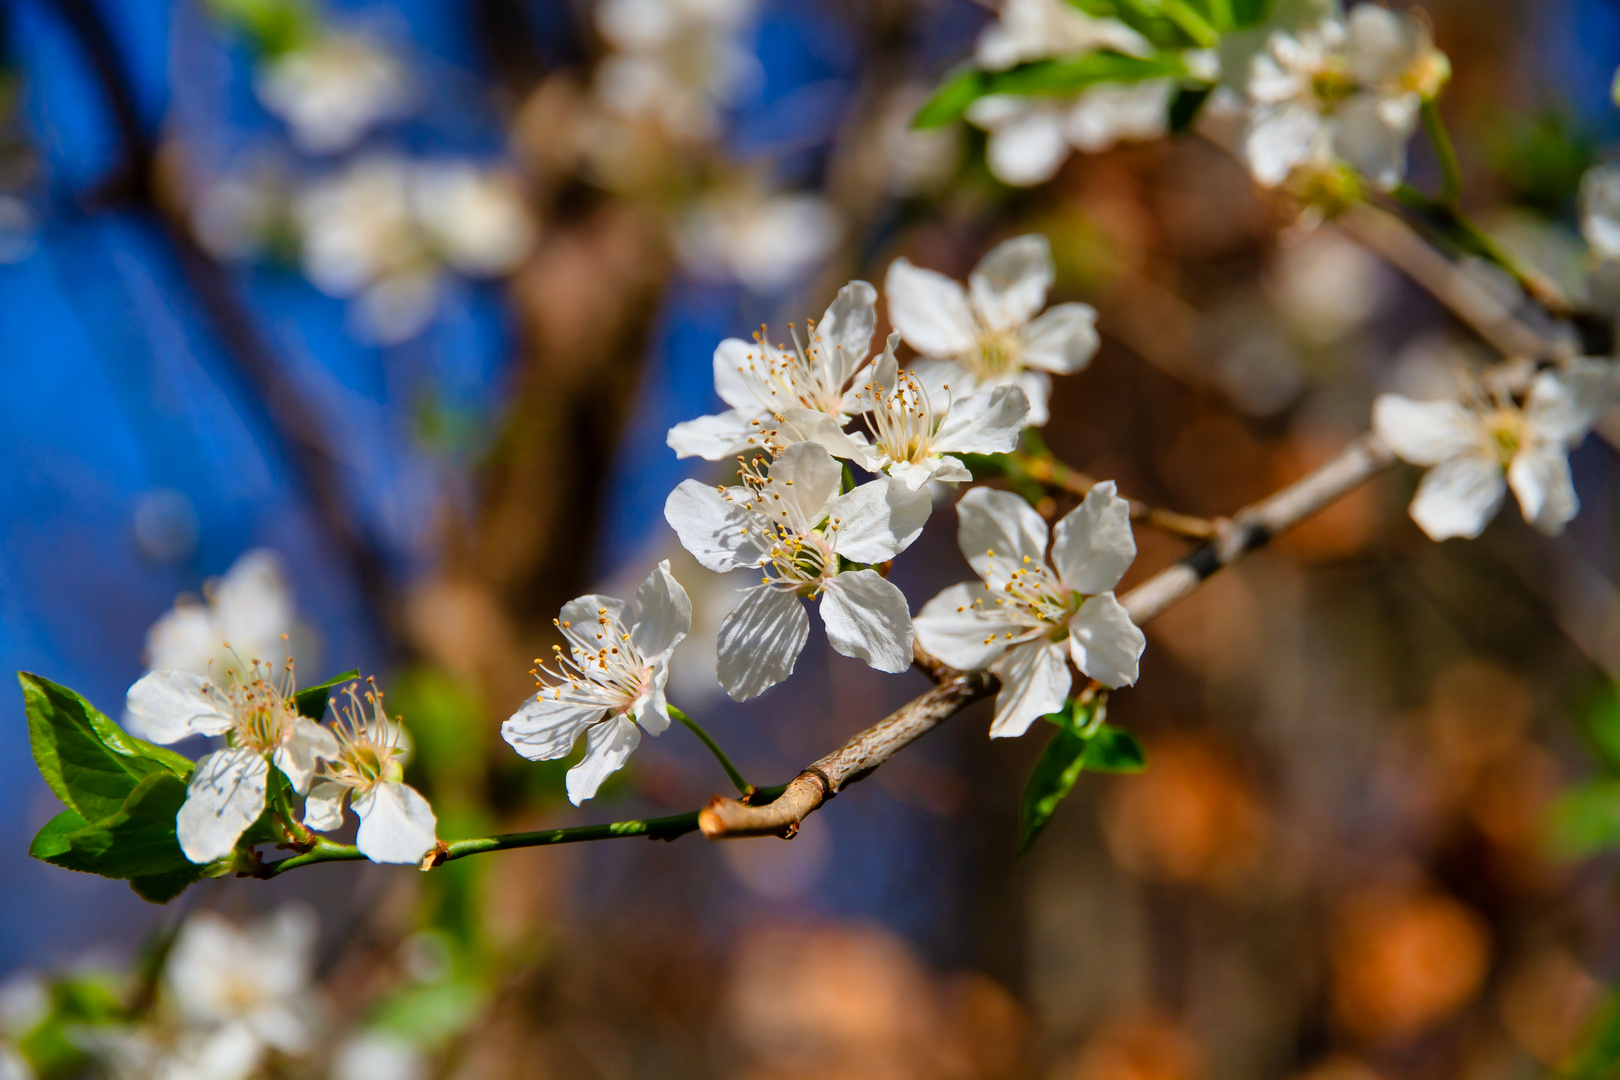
{"x":53,"y":843}
{"x":89,"y":762}
{"x":311,"y":701}
{"x":1585,"y":819}
{"x":951,"y":100}
{"x":138,"y":840}
{"x":1113,"y":750}
{"x":1054,"y":777}
{"x":161,"y":888}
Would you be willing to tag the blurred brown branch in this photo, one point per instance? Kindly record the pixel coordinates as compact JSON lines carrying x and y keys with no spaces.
{"x":1247,"y":531}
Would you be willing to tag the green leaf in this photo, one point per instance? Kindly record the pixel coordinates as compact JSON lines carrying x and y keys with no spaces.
{"x":311,"y":701}
{"x":1113,"y":750}
{"x":1054,"y":776}
{"x":53,"y":843}
{"x":1585,"y":819}
{"x":89,"y":762}
{"x":139,"y":840}
{"x":1598,"y":1055}
{"x":1078,"y":746}
{"x":951,"y":100}
{"x":161,"y":888}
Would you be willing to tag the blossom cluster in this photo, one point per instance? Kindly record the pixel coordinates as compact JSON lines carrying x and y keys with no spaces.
{"x":839,"y":451}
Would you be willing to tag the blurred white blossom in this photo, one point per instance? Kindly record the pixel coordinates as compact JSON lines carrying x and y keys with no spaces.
{"x":989,"y":334}
{"x":243,"y":617}
{"x":675,"y":62}
{"x":383,"y":230}
{"x":1600,"y":210}
{"x":1036,"y":29}
{"x":333,"y":90}
{"x":762,"y":241}
{"x":1031,"y":136}
{"x":1340,"y":89}
{"x":1029,"y":617}
{"x":609,"y":685}
{"x":378,"y":1055}
{"x":1477,"y":448}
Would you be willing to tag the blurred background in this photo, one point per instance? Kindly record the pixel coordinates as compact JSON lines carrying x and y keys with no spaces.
{"x":364,"y":320}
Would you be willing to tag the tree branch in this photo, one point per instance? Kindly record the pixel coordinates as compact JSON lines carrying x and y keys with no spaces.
{"x":1247,"y":531}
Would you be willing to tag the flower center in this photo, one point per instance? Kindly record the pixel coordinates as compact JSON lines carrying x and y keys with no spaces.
{"x":600,"y":669}
{"x":1505,"y":427}
{"x":798,"y":555}
{"x":1029,"y":594}
{"x":803,"y":375}
{"x":368,"y":745}
{"x":263,"y":711}
{"x":998,"y":353}
{"x":1331,"y":84}
{"x":904,"y":422}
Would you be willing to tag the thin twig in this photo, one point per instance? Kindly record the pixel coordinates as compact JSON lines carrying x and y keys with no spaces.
{"x":1050,"y":472}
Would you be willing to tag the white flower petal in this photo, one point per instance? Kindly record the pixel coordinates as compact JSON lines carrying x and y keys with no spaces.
{"x":1564,"y":403}
{"x":1092,"y":546}
{"x":930,"y":311}
{"x":253,"y":606}
{"x":1010,"y":283}
{"x":915,"y":474}
{"x":760,"y":640}
{"x":1111,"y":112}
{"x":1600,"y":210}
{"x":1539,"y":476}
{"x":867,"y":618}
{"x":879,"y":519}
{"x":323,"y":806}
{"x":584,"y":610}
{"x":1457,"y":497}
{"x":545,"y":727}
{"x":846,"y":329}
{"x":652,"y":708}
{"x":1380,"y":44}
{"x":1425,"y":432}
{"x":297,"y":756}
{"x":167,"y":706}
{"x":740,"y":369}
{"x":1035,"y":681}
{"x":964,"y":636}
{"x":224,"y":797}
{"x":997,"y":532}
{"x":713,"y":438}
{"x":984,"y":423}
{"x":1037,"y":386}
{"x":661,"y":615}
{"x":1279,"y":137}
{"x":713,"y":529}
{"x":1364,"y":136}
{"x":803,"y":480}
{"x":396,"y":824}
{"x":1104,"y":642}
{"x":608,"y":746}
{"x":1029,"y":149}
{"x":1063,"y":340}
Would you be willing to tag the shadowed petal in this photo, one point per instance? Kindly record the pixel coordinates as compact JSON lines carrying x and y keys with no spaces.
{"x":1035,"y":681}
{"x":760,"y":641}
{"x":867,"y":618}
{"x":225,"y":796}
{"x":396,"y":824}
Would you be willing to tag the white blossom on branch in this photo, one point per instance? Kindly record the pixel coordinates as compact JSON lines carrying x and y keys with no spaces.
{"x":989,"y":334}
{"x":259,"y":719}
{"x":794,"y":524}
{"x":396,"y":823}
{"x":1479,"y":447}
{"x":1029,"y":617}
{"x":818,"y":377}
{"x":608,"y":685}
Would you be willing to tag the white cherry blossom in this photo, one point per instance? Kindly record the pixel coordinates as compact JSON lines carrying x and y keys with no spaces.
{"x":1349,"y":89}
{"x":608,"y":685}
{"x":794,"y":524}
{"x":912,"y":435}
{"x":678,"y":63}
{"x":334,"y":89}
{"x":818,"y":376}
{"x":259,"y":720}
{"x":1031,"y":136}
{"x":1037,"y":29}
{"x":989,"y":335}
{"x":239,"y":991}
{"x":1477,"y":448}
{"x":244,"y":614}
{"x":396,"y":823}
{"x":1029,"y":617}
{"x":1600,"y":210}
{"x":763,"y":240}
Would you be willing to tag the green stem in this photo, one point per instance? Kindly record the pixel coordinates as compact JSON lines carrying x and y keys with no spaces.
{"x":664,"y":828}
{"x":1447,"y":223}
{"x":1192,"y":24}
{"x":744,"y":788}
{"x":1220,"y":14}
{"x":1444,"y":151}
